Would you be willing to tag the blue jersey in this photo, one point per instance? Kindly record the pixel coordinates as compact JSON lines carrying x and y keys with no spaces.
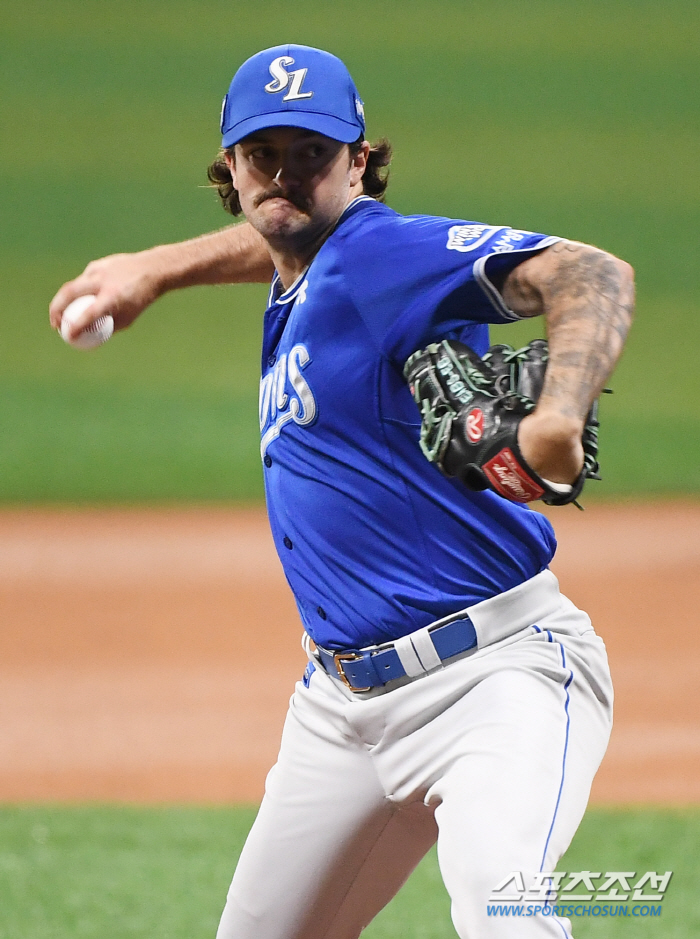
{"x":374,"y":541}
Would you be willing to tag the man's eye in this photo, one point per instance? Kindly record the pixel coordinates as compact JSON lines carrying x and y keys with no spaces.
{"x":313,"y":151}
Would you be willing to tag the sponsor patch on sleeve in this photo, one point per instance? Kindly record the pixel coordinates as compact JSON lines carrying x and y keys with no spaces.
{"x":509,"y":240}
{"x":470,"y":237}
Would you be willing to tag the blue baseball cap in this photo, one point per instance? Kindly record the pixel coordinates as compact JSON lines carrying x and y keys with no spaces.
{"x":292,"y":86}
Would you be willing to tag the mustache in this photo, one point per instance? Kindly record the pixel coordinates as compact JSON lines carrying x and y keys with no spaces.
{"x":296,"y":199}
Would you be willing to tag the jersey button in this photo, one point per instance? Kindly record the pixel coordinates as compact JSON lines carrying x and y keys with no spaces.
{"x":288,"y":542}
{"x":268,"y":460}
{"x":321,"y":612}
{"x":271,"y":359}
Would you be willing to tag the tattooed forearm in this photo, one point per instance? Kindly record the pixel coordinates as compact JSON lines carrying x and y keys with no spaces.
{"x":587,"y":298}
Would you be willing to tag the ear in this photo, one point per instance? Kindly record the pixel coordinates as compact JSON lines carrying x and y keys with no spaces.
{"x":358,"y":164}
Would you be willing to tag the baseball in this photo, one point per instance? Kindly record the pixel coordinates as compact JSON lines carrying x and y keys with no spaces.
{"x":94,"y":334}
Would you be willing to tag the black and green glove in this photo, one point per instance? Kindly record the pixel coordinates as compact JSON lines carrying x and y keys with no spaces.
{"x":471,"y":409}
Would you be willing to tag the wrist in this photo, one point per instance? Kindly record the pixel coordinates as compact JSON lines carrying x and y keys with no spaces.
{"x":555,"y":425}
{"x":550,"y":443}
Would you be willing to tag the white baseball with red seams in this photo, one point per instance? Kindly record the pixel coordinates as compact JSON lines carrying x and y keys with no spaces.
{"x":93,"y":335}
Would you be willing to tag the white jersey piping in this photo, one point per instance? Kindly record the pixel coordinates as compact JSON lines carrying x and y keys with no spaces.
{"x":490,"y":290}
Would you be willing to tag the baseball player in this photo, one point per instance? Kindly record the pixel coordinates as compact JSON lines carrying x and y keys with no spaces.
{"x":452,"y":693}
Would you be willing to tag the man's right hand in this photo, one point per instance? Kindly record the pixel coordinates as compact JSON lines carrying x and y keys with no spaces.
{"x":123,"y":284}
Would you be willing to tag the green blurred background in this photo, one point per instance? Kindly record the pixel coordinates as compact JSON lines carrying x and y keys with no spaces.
{"x":576,"y":118}
{"x":127,"y":872}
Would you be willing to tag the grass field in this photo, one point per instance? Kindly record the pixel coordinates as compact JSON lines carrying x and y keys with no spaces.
{"x":578,"y":118}
{"x":137,"y":873}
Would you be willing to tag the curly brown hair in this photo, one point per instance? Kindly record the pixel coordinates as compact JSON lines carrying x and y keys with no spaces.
{"x":374,"y":181}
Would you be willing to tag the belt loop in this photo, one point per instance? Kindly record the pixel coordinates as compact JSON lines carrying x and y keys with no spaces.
{"x":311,"y":654}
{"x":409,"y":657}
{"x":425,"y":649}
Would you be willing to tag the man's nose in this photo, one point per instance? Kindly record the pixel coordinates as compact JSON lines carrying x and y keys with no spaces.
{"x":286,"y":177}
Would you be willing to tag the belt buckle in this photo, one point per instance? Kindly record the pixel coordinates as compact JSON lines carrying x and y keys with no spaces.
{"x":338,"y":659}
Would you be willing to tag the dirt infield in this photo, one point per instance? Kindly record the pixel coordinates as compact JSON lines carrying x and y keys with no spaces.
{"x":149,"y":655}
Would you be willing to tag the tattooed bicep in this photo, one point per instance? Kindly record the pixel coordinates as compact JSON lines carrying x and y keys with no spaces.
{"x":566,"y":273}
{"x":520,"y":287}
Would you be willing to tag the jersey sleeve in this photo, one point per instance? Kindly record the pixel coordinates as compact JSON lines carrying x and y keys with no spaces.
{"x":418,"y":279}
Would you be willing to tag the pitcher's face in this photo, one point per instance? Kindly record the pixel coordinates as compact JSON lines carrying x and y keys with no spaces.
{"x":293,"y":184}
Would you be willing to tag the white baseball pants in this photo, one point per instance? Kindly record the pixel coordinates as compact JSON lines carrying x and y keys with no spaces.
{"x":492,"y":755}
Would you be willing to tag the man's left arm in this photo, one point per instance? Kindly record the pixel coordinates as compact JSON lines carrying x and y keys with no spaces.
{"x":587,"y":298}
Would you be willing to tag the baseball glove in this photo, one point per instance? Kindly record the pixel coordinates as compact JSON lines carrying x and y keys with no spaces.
{"x":472,"y":408}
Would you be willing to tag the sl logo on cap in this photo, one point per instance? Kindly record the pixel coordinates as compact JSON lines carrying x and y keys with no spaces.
{"x":282,"y":79}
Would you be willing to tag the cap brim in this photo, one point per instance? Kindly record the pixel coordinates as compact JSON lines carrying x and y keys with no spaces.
{"x":325,"y":124}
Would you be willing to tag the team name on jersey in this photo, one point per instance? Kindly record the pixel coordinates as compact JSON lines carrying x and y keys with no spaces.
{"x":285,"y":396}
